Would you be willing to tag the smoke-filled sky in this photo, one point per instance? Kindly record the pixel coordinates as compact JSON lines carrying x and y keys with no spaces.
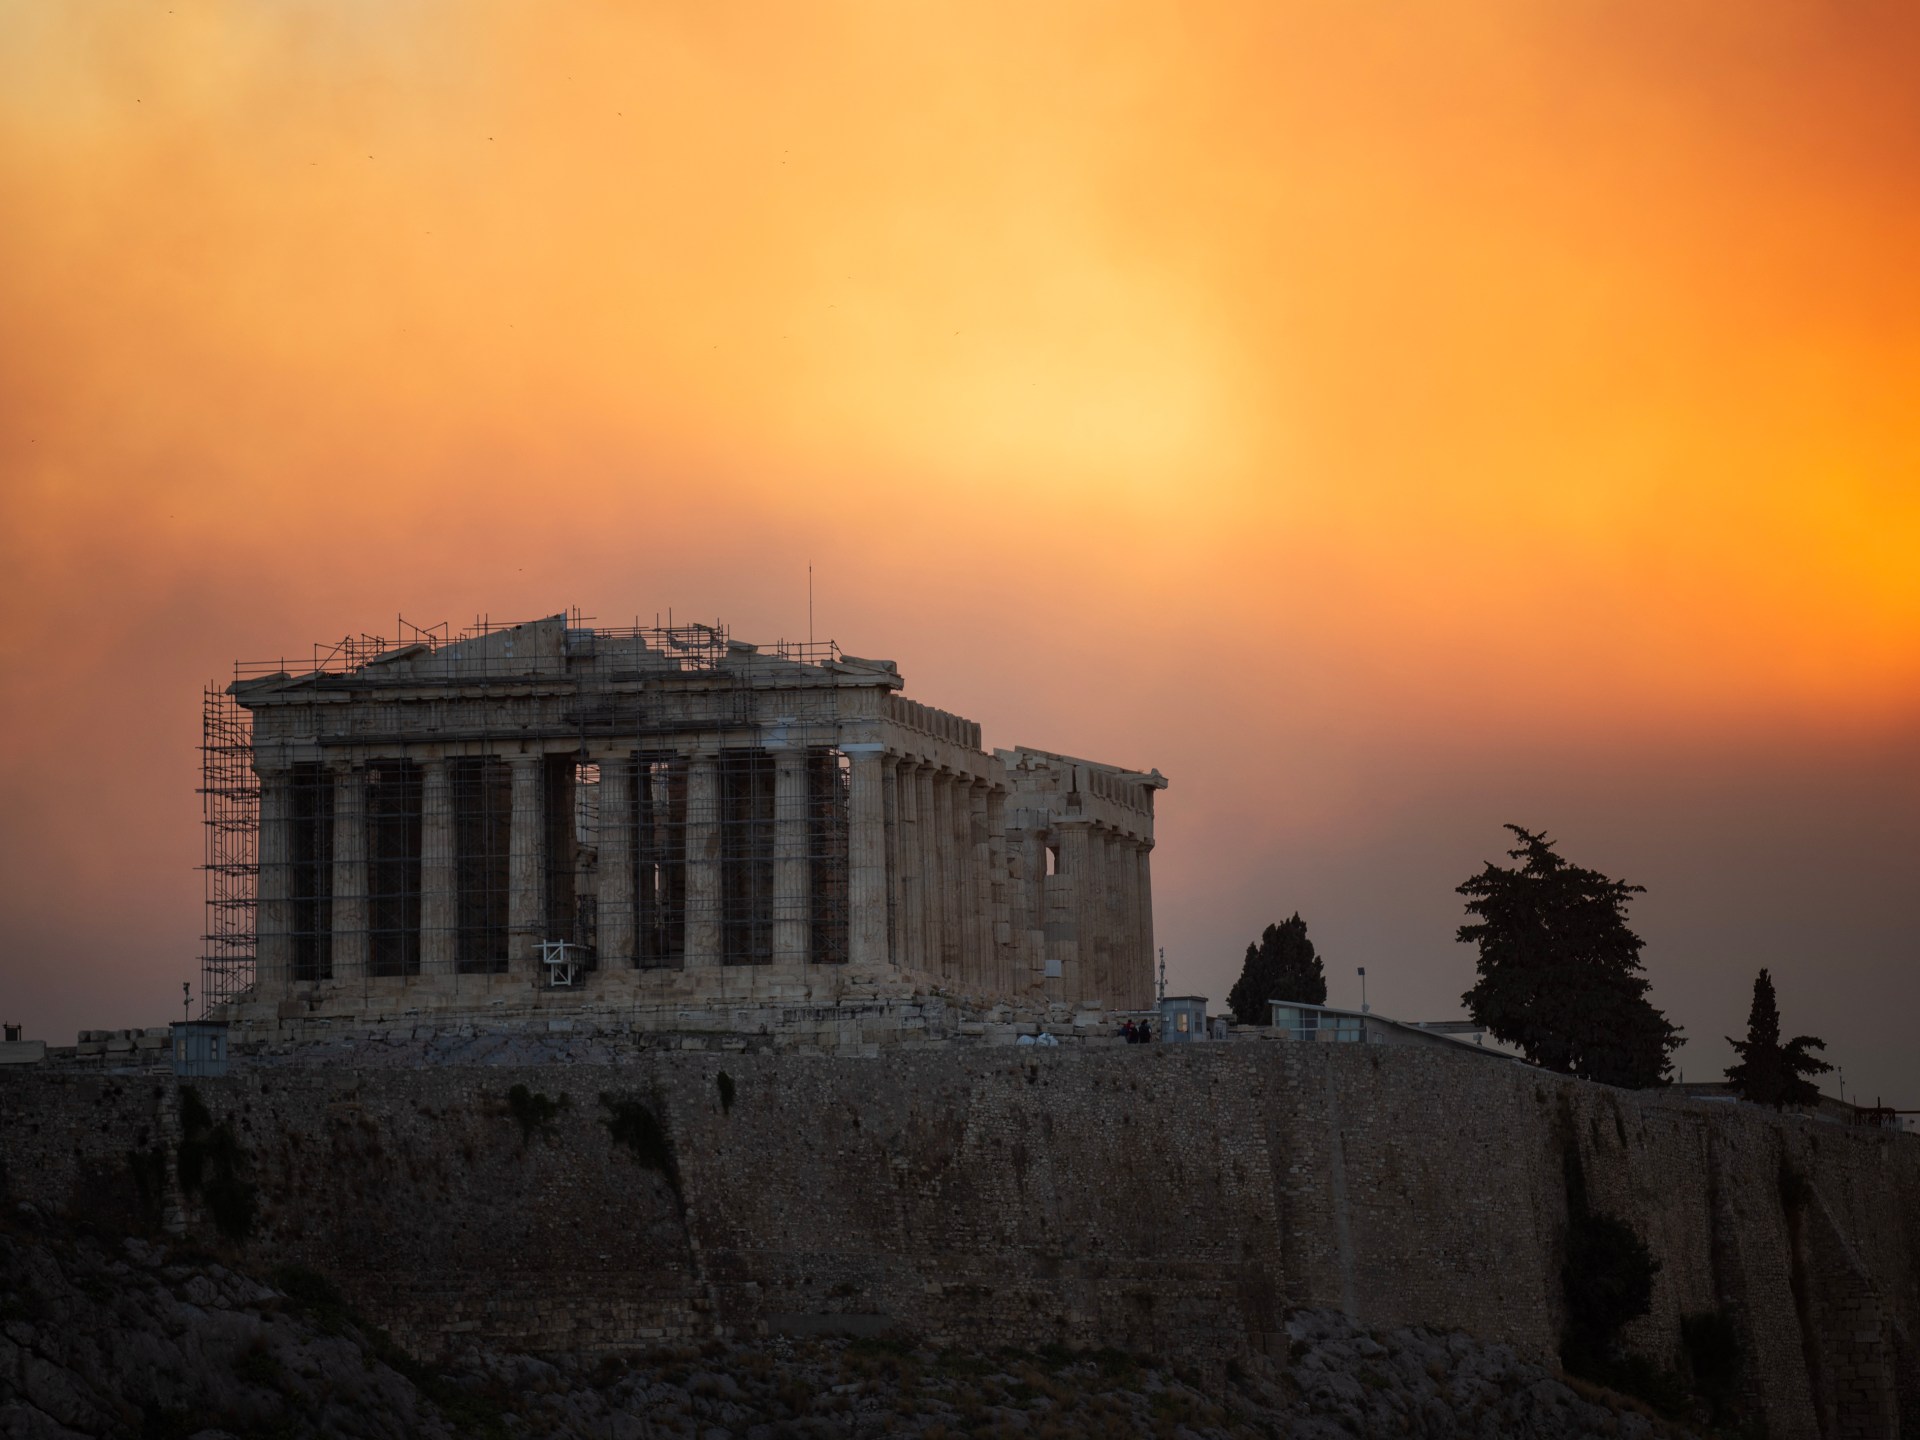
{"x":1388,"y":419}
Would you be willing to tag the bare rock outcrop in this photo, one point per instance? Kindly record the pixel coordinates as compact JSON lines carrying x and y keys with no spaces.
{"x":126,"y":1338}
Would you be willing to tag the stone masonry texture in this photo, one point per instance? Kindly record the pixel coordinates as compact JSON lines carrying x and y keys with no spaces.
{"x":1173,"y":1201}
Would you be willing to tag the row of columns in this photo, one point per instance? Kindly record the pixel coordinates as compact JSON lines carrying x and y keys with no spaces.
{"x":617,"y":901}
{"x":704,"y":901}
{"x":351,"y":911}
{"x":928,"y":885}
{"x":1113,"y":900}
{"x":944,"y":857}
{"x":1089,"y":924}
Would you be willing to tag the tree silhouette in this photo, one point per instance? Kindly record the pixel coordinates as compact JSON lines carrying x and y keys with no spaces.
{"x":1560,"y":971}
{"x":1280,"y":966}
{"x":1769,"y":1073}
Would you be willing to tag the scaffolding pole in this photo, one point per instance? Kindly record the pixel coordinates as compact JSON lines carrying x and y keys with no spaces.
{"x":230,"y":808}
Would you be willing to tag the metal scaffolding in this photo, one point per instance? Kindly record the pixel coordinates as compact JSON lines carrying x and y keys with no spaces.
{"x":653,"y":848}
{"x":230,"y":808}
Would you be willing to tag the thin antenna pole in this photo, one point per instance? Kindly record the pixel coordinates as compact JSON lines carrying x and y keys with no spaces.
{"x":809,"y":603}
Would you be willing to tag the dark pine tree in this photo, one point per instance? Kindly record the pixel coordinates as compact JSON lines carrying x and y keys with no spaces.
{"x":1560,"y":971}
{"x":1281,"y":965}
{"x":1769,"y":1073}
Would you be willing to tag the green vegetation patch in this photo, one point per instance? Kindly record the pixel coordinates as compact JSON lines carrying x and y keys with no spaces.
{"x":638,"y":1130}
{"x":149,"y":1168}
{"x":533,"y":1111}
{"x":211,"y":1163}
{"x":1712,"y":1346}
{"x":1607,"y":1282}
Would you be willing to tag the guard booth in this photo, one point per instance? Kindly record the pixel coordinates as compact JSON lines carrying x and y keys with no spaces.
{"x":199,"y":1048}
{"x":1182,"y":1018}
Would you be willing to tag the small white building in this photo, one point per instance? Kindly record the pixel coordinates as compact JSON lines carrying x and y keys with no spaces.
{"x":1324,"y":1024}
{"x":199,"y":1047}
{"x":1182,"y":1018}
{"x":15,"y":1051}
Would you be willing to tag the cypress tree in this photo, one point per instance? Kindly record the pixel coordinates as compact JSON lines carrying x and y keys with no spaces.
{"x":1560,"y":971}
{"x":1769,"y":1073}
{"x":1281,"y":965}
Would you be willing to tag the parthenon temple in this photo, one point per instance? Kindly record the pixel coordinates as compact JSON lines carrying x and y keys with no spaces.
{"x":645,"y":816}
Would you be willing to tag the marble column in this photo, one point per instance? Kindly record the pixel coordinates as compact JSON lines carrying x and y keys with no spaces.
{"x":1000,"y":912}
{"x":350,"y":913}
{"x":866,"y":856}
{"x":890,"y":812}
{"x":907,"y":795}
{"x":703,"y":861}
{"x":1029,"y":943}
{"x":980,"y":890}
{"x":926,"y":821}
{"x":273,"y":920}
{"x":1151,"y":968}
{"x":792,"y":865}
{"x":1127,"y":867}
{"x":439,"y":902}
{"x":615,"y":922}
{"x":1075,"y":865}
{"x":1057,"y":920}
{"x":955,"y":953}
{"x":952,"y":941}
{"x":960,"y":868}
{"x":527,"y":865}
{"x":1100,"y":885}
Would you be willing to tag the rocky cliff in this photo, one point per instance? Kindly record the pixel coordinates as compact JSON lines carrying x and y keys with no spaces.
{"x":129,"y":1338}
{"x":1171,"y":1201}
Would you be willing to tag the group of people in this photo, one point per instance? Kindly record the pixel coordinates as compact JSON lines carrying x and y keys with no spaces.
{"x":1141,"y":1034}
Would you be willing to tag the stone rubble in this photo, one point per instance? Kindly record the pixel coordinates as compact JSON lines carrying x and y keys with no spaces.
{"x":122,"y":1338}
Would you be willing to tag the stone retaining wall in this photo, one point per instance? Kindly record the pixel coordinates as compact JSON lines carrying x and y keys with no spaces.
{"x":1171,"y":1199}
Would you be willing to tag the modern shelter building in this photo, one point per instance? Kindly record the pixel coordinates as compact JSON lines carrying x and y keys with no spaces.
{"x":1297,"y":1020}
{"x":647,"y":816}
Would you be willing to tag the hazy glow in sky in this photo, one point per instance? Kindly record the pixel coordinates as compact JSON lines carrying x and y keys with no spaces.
{"x":1387,"y":420}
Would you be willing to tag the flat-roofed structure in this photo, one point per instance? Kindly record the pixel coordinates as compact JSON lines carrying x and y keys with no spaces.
{"x":1297,"y":1020}
{"x":672,"y":813}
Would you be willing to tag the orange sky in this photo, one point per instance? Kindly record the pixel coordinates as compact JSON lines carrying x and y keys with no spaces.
{"x":1388,"y":419}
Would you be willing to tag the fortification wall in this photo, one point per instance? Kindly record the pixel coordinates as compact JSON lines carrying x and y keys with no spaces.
{"x":1173,"y":1199}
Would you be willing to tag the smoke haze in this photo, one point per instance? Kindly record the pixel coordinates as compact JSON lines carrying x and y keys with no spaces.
{"x":1389,"y":422}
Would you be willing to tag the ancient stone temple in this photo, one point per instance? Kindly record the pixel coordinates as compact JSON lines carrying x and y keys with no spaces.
{"x":649,"y":816}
